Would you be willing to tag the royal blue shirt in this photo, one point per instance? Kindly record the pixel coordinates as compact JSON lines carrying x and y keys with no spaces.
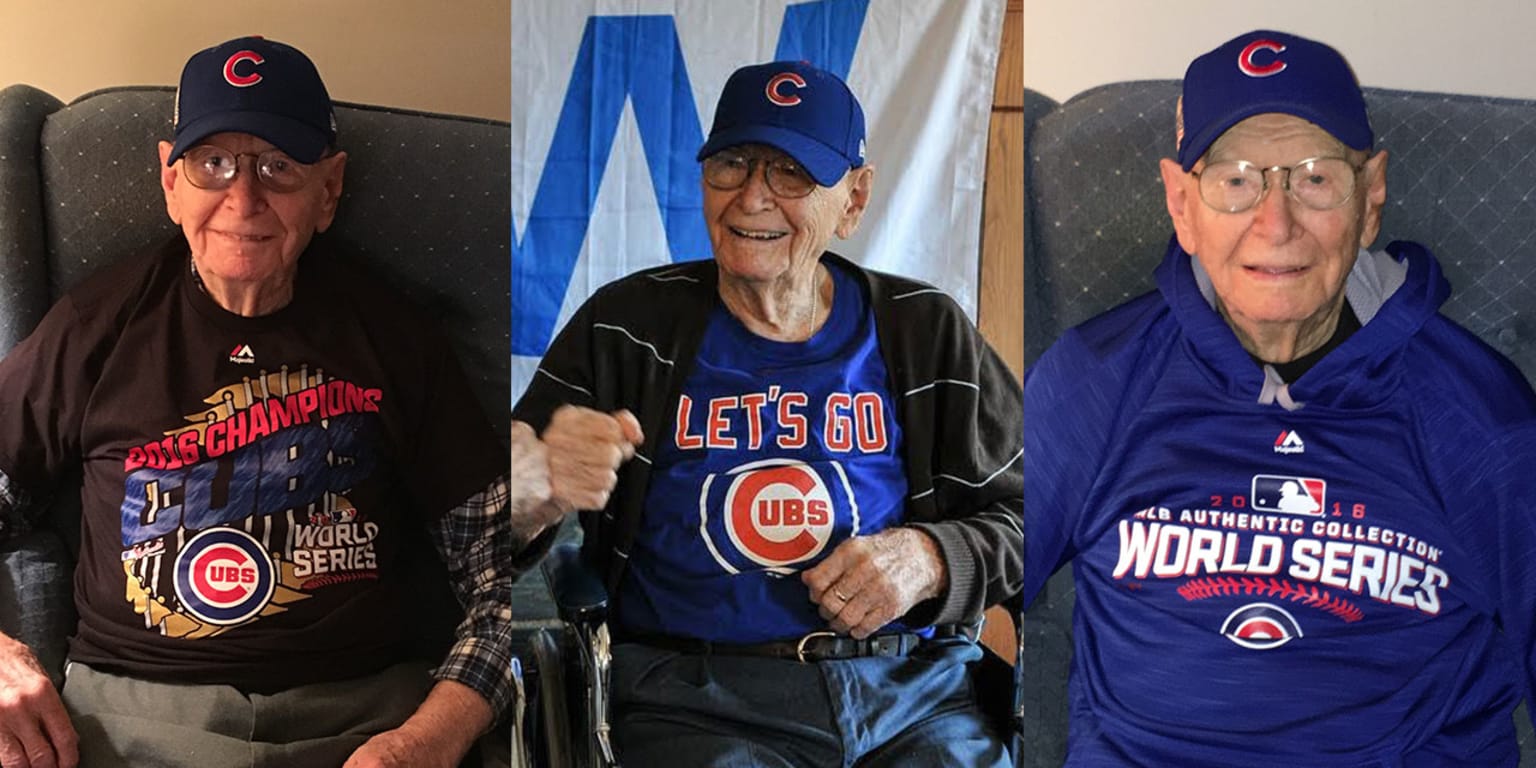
{"x":778,"y":452}
{"x":1341,"y":577}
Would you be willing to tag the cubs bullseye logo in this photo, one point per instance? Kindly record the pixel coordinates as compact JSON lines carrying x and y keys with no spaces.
{"x":1261,"y":626}
{"x":774,"y":513}
{"x":224,"y":576}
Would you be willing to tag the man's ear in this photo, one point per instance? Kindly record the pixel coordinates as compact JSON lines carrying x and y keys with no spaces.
{"x":169,"y":176}
{"x":861,"y":183}
{"x":334,"y":169}
{"x":1181,"y":196}
{"x":1374,"y":176}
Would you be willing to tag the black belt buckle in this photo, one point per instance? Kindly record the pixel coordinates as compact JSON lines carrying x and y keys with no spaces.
{"x":800,"y":646}
{"x":889,"y":645}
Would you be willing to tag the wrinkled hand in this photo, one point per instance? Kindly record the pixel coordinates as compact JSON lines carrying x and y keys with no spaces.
{"x":437,"y":735}
{"x":573,"y":467}
{"x":35,"y":731}
{"x":585,"y":449}
{"x":403,"y":747}
{"x":868,"y":581}
{"x":529,"y":481}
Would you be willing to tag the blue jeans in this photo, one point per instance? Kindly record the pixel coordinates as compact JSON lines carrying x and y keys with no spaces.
{"x":673,"y":709}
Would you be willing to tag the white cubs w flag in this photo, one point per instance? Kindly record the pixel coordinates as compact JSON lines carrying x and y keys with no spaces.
{"x":612,"y":99}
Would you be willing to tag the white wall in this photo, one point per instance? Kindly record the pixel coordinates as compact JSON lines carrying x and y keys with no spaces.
{"x":1460,"y":46}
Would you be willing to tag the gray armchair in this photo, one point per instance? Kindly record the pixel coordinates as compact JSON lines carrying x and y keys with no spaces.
{"x":1460,"y":180}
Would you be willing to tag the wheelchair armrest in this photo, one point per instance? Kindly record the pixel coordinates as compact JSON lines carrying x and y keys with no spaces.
{"x":521,"y":750}
{"x":579,"y":595}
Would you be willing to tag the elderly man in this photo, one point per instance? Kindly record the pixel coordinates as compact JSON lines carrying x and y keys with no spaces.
{"x":261,"y":427}
{"x":827,"y":493}
{"x":1295,"y":497}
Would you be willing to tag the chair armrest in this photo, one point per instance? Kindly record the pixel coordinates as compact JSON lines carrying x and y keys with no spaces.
{"x":579,"y":595}
{"x":37,"y":597}
{"x":23,"y":111}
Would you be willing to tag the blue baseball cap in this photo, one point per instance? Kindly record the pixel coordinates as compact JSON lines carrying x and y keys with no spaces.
{"x":255,"y":86}
{"x":1266,"y":71}
{"x":806,"y":112}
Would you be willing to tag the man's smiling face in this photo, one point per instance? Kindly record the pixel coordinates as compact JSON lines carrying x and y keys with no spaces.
{"x":1278,"y":268}
{"x":247,"y":233}
{"x":760,"y":237}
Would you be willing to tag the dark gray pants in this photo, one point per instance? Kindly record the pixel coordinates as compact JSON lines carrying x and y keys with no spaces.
{"x":123,"y":721}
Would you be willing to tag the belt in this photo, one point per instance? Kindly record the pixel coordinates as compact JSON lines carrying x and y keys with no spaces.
{"x":813,"y":647}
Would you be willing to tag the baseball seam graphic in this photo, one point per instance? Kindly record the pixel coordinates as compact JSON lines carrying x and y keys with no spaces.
{"x":1200,"y":589}
{"x":328,"y":579}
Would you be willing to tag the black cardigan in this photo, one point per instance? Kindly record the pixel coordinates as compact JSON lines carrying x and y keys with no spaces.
{"x":632,"y":344}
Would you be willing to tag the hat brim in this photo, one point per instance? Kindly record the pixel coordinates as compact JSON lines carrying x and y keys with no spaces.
{"x":825,"y":164}
{"x":299,"y":140}
{"x":1196,"y":144}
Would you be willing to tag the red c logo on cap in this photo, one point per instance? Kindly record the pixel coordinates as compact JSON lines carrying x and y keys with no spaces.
{"x":1245,"y":59}
{"x":780,"y":79}
{"x":238,"y":80}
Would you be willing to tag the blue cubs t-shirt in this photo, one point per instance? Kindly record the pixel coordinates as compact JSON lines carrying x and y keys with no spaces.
{"x":777,"y":453}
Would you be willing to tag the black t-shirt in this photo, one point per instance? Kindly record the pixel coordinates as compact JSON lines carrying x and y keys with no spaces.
{"x":248,"y":482}
{"x":1348,"y":323}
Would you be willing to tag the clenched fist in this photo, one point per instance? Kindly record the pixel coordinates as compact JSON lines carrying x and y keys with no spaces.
{"x":586,"y":448}
{"x":574,"y":466}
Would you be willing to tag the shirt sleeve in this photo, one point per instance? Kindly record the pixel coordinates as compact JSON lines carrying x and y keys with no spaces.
{"x":977,"y":484}
{"x":15,"y":509}
{"x":1488,"y":490}
{"x":1065,"y":433}
{"x":475,"y":540}
{"x":45,"y":383}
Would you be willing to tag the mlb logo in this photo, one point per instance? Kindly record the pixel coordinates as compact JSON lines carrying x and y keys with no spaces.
{"x":1289,"y":495}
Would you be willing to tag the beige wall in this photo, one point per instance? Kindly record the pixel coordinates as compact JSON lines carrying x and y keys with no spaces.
{"x":450,"y":56}
{"x":1471,"y":46}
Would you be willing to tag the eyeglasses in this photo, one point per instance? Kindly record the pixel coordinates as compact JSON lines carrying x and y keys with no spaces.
{"x":730,"y":170}
{"x":210,"y":167}
{"x":1319,"y":183}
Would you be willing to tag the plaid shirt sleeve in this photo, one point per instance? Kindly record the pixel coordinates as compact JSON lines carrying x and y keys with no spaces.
{"x":16,"y":510}
{"x":475,"y":539}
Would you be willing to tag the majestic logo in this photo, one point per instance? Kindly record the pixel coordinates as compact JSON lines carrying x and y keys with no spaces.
{"x":251,"y":77}
{"x":1290,"y":495}
{"x":1247,"y":61}
{"x":1260,"y":626}
{"x":1289,"y":442}
{"x":773,"y":514}
{"x":224,"y":576}
{"x":242,"y":354}
{"x":780,"y":79}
